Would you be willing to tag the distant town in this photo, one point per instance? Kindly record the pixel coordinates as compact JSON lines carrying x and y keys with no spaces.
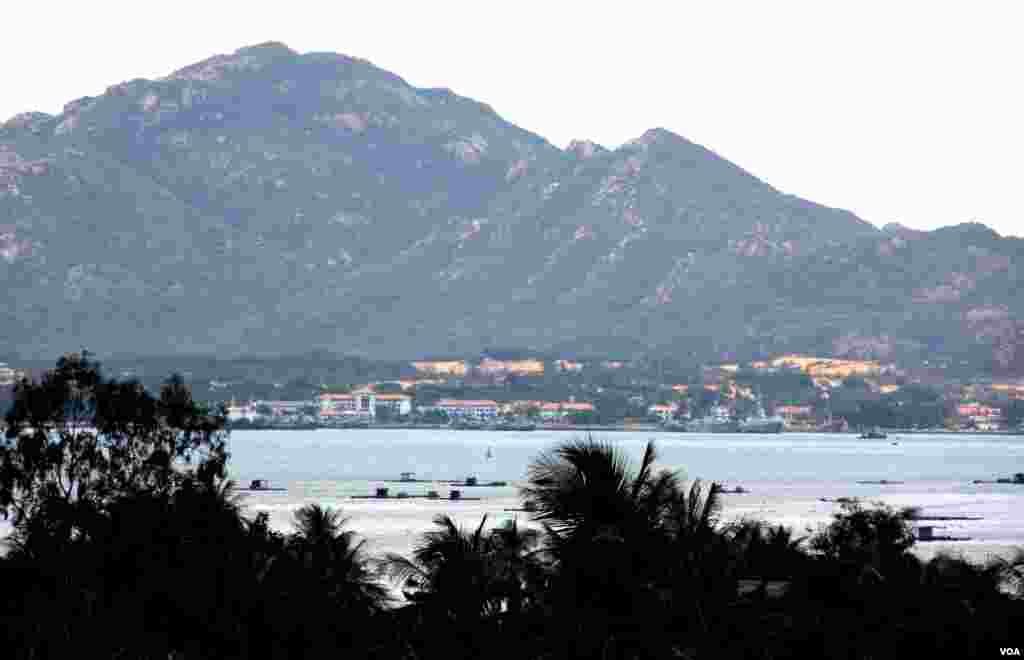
{"x":521,"y":392}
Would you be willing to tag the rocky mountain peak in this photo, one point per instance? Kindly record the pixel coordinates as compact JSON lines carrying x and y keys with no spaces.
{"x":248,"y":59}
{"x":584,"y":149}
{"x":658,"y":136}
{"x":30,"y":121}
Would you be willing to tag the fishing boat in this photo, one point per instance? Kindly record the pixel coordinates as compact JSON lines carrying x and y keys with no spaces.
{"x":262,"y":486}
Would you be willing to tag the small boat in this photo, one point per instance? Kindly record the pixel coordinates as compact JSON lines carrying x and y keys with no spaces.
{"x":472,"y":482}
{"x":490,"y":454}
{"x":874,"y":434}
{"x":260,"y":485}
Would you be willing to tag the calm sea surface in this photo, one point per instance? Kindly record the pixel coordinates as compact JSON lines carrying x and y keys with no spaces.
{"x":790,"y":478}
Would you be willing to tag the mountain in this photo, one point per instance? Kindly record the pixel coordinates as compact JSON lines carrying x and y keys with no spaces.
{"x":269,"y":202}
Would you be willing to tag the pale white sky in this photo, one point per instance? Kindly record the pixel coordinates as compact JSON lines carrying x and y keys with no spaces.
{"x":905,"y":111}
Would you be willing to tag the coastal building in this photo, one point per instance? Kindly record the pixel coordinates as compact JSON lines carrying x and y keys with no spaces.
{"x":241,"y":411}
{"x":10,"y":376}
{"x":441,"y":367}
{"x":284,"y":408}
{"x":664,"y":410}
{"x":520,"y":407}
{"x":466,"y":408}
{"x":795,"y":415}
{"x":409,"y":383}
{"x":561,"y":409}
{"x":340,"y":406}
{"x":398,"y":404}
{"x":527,"y":367}
{"x":980,"y":416}
{"x":1010,"y":390}
{"x":362,"y":403}
{"x":825,"y":368}
{"x":568,"y":365}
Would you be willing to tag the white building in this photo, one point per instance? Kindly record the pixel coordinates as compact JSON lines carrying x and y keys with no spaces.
{"x":245,"y":411}
{"x":461,"y":409}
{"x":9,"y":376}
{"x":363,"y":403}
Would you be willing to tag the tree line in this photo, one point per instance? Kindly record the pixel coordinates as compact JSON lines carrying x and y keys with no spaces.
{"x":129,"y":541}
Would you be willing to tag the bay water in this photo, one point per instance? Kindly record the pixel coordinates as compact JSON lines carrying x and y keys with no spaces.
{"x":791,"y":478}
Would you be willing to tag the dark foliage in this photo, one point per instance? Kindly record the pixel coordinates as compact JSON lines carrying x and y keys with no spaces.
{"x":130,"y":543}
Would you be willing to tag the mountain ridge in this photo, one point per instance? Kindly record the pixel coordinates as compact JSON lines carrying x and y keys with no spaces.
{"x":316,"y":199}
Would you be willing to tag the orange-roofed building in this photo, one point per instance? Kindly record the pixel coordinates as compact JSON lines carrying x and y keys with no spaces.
{"x":1013,"y":390}
{"x":529,"y":367}
{"x":362,"y":402}
{"x":441,"y":367}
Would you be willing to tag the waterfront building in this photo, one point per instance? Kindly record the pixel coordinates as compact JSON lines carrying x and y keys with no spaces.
{"x":441,"y":367}
{"x":466,"y":408}
{"x":562,"y":409}
{"x":363,"y":402}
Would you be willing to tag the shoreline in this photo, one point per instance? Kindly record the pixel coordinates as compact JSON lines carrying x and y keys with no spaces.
{"x":610,"y":428}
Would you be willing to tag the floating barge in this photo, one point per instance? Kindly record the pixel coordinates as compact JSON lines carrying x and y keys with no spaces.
{"x":261,"y":486}
{"x":470,"y":482}
{"x":1016,"y":479}
{"x":926,"y":533}
{"x":383,"y":494}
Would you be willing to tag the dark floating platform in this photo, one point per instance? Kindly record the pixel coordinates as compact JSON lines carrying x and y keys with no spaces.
{"x":261,"y":486}
{"x":943,"y":518}
{"x":943,"y":538}
{"x":383,"y":494}
{"x":880,"y":482}
{"x":468,"y":482}
{"x":464,"y":484}
{"x":416,"y":497}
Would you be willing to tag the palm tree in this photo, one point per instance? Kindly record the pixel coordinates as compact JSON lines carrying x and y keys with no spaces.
{"x":627,"y":546}
{"x":341,"y":567}
{"x":519,"y":573}
{"x":452,"y":571}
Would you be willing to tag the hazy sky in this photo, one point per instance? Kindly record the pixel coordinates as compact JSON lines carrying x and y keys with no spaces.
{"x":907,"y":111}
